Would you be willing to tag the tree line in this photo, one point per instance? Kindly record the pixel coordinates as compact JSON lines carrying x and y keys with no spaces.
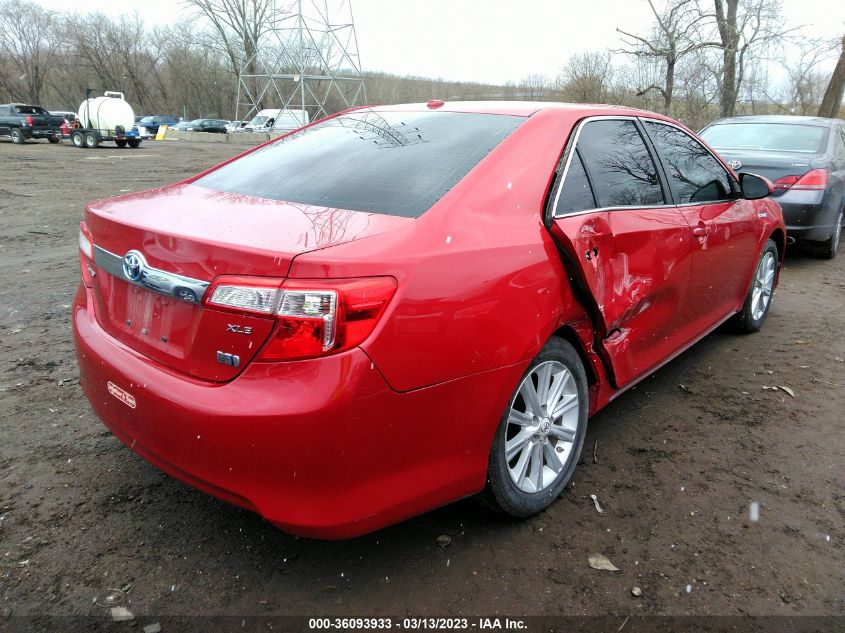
{"x":700,"y":60}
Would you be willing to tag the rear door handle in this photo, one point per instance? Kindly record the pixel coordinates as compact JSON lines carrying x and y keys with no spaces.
{"x":702,"y":230}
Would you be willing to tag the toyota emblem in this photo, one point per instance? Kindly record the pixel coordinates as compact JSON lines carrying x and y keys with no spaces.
{"x":735,"y":164}
{"x":133,"y":266}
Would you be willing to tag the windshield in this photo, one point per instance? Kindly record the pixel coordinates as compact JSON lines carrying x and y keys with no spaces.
{"x":259,"y":120}
{"x":770,"y":137}
{"x":397,"y":163}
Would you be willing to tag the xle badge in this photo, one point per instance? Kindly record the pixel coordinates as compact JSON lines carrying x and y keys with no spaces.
{"x":124,"y":396}
{"x":238,"y":329}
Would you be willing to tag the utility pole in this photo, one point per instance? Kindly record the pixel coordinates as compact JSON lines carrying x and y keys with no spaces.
{"x":306,"y":60}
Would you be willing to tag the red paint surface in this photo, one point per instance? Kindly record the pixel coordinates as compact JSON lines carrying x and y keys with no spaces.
{"x":344,"y":444}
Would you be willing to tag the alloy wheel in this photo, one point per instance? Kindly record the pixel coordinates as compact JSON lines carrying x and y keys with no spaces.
{"x":541,"y":427}
{"x":764,"y":282}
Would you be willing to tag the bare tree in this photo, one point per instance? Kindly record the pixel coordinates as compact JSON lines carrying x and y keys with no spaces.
{"x":29,"y":40}
{"x":533,"y":87}
{"x":745,"y":27}
{"x":832,"y":100}
{"x":676,"y":34}
{"x":239,"y":26}
{"x":586,"y":77}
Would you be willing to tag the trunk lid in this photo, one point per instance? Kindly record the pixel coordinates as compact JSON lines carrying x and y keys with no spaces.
{"x":184,"y":236}
{"x":772,"y":165}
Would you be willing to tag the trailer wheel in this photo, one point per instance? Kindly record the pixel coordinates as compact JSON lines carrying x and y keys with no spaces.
{"x":54,"y":139}
{"x":121,"y":142}
{"x":134,"y":142}
{"x":17,"y":136}
{"x":77,"y":139}
{"x":92,"y":140}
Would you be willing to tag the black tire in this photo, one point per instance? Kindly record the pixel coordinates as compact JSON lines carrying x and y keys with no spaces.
{"x":747,"y":321}
{"x":17,"y":136}
{"x":134,"y":142}
{"x":502,"y":492}
{"x":92,"y":140}
{"x":828,"y":248}
{"x":78,"y":139}
{"x":120,"y":142}
{"x":54,"y":139}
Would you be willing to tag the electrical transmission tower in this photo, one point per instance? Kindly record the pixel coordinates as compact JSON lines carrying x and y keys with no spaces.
{"x":305,"y":58}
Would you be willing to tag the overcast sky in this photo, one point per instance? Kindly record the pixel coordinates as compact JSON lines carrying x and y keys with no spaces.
{"x":485,"y":40}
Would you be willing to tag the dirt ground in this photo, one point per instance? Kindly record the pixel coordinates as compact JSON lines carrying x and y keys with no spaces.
{"x":678,"y":461}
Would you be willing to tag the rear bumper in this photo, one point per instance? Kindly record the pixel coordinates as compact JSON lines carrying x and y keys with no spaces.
{"x":321,"y":448}
{"x":808,"y":215}
{"x":30,"y":132}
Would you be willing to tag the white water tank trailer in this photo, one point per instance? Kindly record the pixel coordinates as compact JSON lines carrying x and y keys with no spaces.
{"x":106,"y":118}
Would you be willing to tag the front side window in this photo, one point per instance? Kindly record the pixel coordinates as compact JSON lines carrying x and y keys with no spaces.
{"x":619,"y":165}
{"x":396,"y":163}
{"x":693,"y":172}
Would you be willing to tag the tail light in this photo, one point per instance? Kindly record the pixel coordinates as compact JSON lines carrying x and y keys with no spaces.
{"x":86,"y":249}
{"x":28,"y":121}
{"x":815,"y":180}
{"x":314,"y":317}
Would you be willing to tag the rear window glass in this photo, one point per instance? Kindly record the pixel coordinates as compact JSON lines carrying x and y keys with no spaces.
{"x":30,"y":110}
{"x":772,"y":137}
{"x":396,"y":163}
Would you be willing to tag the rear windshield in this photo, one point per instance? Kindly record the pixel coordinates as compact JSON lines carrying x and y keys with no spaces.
{"x":24,"y":109}
{"x":396,"y":163}
{"x":772,"y":137}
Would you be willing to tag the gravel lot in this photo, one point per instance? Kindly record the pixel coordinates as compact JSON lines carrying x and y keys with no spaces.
{"x":678,"y":461}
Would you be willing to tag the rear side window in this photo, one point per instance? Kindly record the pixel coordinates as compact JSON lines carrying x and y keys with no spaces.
{"x":395,"y":163}
{"x":693,"y":172}
{"x":619,"y":166}
{"x":576,"y":193}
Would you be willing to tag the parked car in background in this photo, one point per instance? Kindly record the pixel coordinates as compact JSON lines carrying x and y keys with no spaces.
{"x":148,"y":125}
{"x":281,"y":119}
{"x":207,"y":125}
{"x":405,"y":305}
{"x":68,"y":119}
{"x":235,"y":126}
{"x":804,"y":157}
{"x":181,"y":126}
{"x":67,"y":115}
{"x":21,"y":122}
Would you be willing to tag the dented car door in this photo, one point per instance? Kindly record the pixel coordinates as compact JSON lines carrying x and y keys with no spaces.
{"x":625,"y":244}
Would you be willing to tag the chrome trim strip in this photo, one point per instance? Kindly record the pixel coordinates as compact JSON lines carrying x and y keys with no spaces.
{"x":160,"y":281}
{"x":614,"y":117}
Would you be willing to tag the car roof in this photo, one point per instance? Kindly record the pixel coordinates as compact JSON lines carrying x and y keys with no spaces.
{"x":516,"y":108}
{"x":779,"y":118}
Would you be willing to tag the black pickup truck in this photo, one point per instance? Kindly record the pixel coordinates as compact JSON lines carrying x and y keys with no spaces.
{"x":22,"y":122}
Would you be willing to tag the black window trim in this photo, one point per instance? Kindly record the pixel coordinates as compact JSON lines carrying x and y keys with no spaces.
{"x":568,"y":153}
{"x":735,"y":190}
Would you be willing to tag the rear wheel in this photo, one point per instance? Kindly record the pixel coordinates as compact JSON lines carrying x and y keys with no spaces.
{"x":134,"y":142}
{"x":540,"y":434}
{"x":92,"y":140}
{"x":829,"y":247}
{"x":78,"y":139}
{"x":121,"y":142}
{"x":759,"y":297}
{"x":17,"y":136}
{"x":54,"y":139}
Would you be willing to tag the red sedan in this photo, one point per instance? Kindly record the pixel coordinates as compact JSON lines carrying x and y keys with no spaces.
{"x":397,"y":307}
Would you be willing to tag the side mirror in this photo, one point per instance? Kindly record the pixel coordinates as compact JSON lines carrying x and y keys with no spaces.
{"x":755,"y":187}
